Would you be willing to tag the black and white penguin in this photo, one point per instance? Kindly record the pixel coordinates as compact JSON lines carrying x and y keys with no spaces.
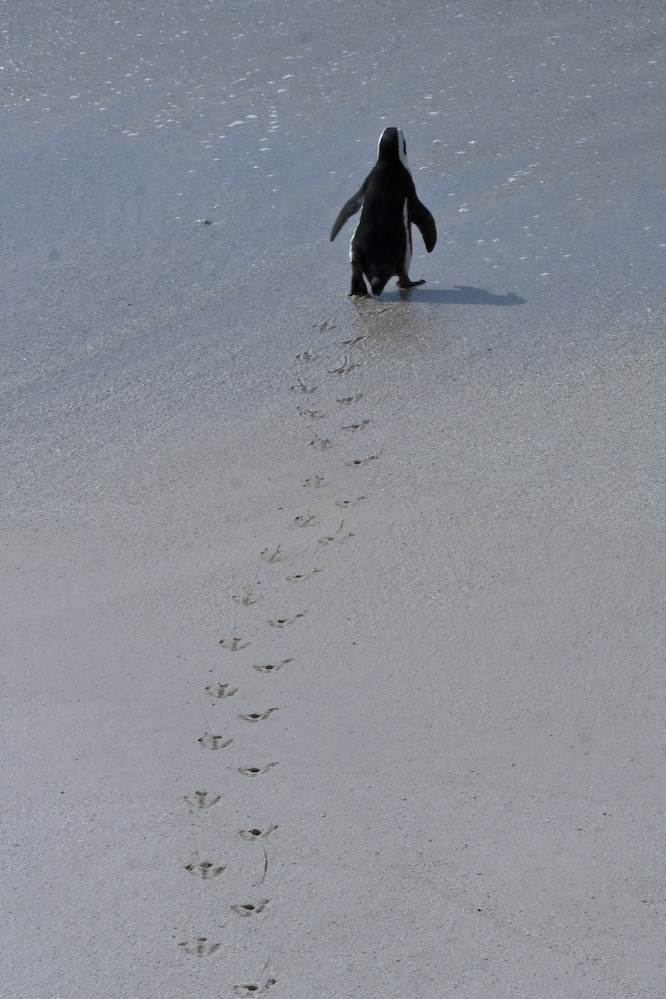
{"x":381,"y":246}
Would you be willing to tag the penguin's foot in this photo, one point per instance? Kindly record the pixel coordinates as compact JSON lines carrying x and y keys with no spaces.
{"x":404,"y":282}
{"x":358,"y":287}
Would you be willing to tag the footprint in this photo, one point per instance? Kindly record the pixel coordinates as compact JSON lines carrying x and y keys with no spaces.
{"x":234,"y":644}
{"x":247,"y":596}
{"x":200,"y":947}
{"x":348,"y":399}
{"x":255,"y":716}
{"x":336,"y":536}
{"x":357,"y":426}
{"x":220,"y":690}
{"x":201,"y":800}
{"x":272,"y":667}
{"x":302,"y":386}
{"x":254,"y":834}
{"x":362,"y":461}
{"x":315,"y":482}
{"x":214,"y":741}
{"x":282,"y":622}
{"x":346,"y":366}
{"x":273,"y":556}
{"x":321,"y":443}
{"x":305,"y":520}
{"x":326,"y":325}
{"x":251,"y":908}
{"x":204,"y":869}
{"x":254,"y":771}
{"x":253,"y":990}
{"x":307,"y":355}
{"x":302,"y":575}
{"x":310,"y":414}
{"x":348,"y":504}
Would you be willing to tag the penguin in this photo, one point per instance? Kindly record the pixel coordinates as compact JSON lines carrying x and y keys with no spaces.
{"x":381,"y":246}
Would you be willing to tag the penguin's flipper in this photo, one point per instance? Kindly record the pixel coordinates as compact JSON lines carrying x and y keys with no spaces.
{"x":424,"y":222}
{"x":346,"y":212}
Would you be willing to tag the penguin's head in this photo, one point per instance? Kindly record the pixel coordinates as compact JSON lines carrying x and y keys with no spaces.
{"x":392,"y":146}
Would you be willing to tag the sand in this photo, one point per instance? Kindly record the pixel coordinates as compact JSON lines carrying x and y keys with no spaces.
{"x":333,"y":629}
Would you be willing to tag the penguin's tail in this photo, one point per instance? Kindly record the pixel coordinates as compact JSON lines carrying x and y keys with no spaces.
{"x":378,"y":284}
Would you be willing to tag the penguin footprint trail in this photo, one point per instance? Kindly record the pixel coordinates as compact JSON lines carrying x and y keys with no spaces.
{"x":253,"y":628}
{"x":381,"y":247}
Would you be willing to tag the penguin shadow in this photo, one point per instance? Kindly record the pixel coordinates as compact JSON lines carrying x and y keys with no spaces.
{"x":460,"y":294}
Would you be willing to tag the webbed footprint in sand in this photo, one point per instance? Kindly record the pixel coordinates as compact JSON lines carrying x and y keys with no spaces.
{"x":247,"y":990}
{"x":218,"y":690}
{"x":349,"y":503}
{"x":310,"y":414}
{"x":234,"y":644}
{"x":305,"y":520}
{"x":272,"y":667}
{"x":256,"y":771}
{"x":362,"y":461}
{"x":256,"y":716}
{"x":315,"y":482}
{"x":247,"y":596}
{"x":336,"y":536}
{"x":201,"y":947}
{"x":282,"y":622}
{"x":251,"y":908}
{"x":214,"y":741}
{"x":204,"y":869}
{"x":203,"y":800}
{"x":346,"y":366}
{"x":321,"y":443}
{"x":250,"y":835}
{"x":297,"y":576}
{"x":305,"y":387}
{"x":273,"y":555}
{"x":253,"y":989}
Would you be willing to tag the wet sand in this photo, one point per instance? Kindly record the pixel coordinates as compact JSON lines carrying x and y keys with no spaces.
{"x":334,"y":629}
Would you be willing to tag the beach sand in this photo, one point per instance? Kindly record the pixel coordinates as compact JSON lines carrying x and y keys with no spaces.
{"x":333,"y":629}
